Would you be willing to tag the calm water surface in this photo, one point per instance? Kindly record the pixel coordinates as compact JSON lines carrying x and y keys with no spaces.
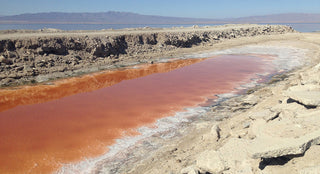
{"x":44,"y":126}
{"x":307,"y":27}
{"x":91,"y":26}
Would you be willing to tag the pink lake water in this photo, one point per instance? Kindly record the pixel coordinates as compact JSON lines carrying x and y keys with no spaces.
{"x":44,"y":126}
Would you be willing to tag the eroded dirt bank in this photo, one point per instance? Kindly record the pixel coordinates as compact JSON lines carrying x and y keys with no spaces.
{"x":38,"y":56}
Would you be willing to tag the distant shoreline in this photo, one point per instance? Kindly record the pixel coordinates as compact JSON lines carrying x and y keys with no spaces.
{"x":177,"y":23}
{"x":113,"y":17}
{"x":301,"y":27}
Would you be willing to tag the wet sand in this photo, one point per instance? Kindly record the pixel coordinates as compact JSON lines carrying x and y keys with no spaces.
{"x":45,"y":126}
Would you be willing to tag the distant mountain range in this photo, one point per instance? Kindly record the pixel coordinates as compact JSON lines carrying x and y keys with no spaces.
{"x":134,"y":18}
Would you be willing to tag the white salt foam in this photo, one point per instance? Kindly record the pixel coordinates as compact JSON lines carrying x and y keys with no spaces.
{"x":287,"y":58}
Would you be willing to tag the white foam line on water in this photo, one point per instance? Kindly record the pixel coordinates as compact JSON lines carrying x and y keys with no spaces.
{"x":286,"y":58}
{"x":162,"y":125}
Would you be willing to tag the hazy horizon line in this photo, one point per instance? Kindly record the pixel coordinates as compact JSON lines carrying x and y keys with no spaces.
{"x":269,"y":14}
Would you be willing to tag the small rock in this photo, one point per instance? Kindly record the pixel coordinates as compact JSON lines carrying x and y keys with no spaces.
{"x":252,"y":99}
{"x":2,"y":58}
{"x":190,"y":170}
{"x":210,"y":161}
{"x":11,"y":54}
{"x":41,"y":78}
{"x":215,"y":132}
{"x":7,"y":81}
{"x":266,"y":114}
{"x":5,"y":60}
{"x":219,"y":117}
{"x":246,"y":125}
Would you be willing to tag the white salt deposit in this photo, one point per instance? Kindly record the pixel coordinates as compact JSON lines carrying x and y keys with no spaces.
{"x":285,"y":58}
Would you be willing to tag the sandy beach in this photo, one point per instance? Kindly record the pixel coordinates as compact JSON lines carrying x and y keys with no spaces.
{"x":271,"y":128}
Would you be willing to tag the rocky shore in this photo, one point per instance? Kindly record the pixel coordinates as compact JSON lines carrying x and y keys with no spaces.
{"x":273,"y":128}
{"x":39,"y":56}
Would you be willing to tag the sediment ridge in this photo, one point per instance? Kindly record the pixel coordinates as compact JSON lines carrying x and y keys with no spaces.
{"x":39,"y":56}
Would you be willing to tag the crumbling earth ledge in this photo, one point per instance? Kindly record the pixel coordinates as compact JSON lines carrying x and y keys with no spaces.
{"x":39,"y":56}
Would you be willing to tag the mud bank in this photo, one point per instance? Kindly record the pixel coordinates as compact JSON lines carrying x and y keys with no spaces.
{"x":38,"y":56}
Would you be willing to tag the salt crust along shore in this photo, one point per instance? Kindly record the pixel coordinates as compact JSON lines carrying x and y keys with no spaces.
{"x":272,"y":129}
{"x":168,"y":128}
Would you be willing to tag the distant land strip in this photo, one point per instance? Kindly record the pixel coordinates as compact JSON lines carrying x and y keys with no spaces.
{"x":112,"y":17}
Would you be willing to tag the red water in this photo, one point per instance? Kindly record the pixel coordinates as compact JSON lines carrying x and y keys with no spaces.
{"x":43,"y":126}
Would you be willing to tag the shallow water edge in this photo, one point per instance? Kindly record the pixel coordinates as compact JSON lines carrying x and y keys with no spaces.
{"x":122,"y":155}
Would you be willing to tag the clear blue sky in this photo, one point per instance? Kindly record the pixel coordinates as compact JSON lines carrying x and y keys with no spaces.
{"x":179,"y":8}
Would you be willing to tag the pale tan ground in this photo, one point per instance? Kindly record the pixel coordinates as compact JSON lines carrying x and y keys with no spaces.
{"x":263,"y":127}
